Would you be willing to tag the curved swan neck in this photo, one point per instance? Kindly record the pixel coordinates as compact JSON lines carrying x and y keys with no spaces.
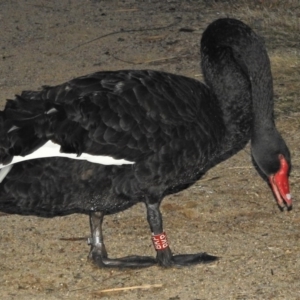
{"x":259,"y":70}
{"x":236,"y":67}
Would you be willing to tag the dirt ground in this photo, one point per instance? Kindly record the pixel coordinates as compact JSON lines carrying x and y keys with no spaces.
{"x":230,"y":213}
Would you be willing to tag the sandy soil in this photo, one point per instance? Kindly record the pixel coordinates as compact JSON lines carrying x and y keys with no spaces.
{"x":230,"y":213}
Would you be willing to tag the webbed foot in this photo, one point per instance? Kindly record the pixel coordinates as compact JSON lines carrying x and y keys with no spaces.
{"x":166,"y":259}
{"x":133,"y":261}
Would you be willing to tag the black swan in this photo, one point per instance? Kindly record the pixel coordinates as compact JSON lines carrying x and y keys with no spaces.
{"x":147,"y":134}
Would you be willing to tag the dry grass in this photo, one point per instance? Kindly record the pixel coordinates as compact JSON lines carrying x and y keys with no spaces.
{"x":286,"y":74}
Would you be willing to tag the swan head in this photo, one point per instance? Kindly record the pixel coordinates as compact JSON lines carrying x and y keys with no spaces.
{"x":272,"y":157}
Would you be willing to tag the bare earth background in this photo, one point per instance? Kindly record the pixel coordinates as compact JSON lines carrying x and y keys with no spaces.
{"x":230,"y":213}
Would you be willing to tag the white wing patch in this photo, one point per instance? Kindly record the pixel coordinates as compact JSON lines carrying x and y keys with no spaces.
{"x":12,"y":129}
{"x":51,"y":149}
{"x":51,"y":111}
{"x":4,"y":171}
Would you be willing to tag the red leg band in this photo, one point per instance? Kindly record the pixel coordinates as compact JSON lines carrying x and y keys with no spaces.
{"x":160,"y":241}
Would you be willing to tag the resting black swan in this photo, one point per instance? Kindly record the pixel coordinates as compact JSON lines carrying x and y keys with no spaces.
{"x":154,"y":134}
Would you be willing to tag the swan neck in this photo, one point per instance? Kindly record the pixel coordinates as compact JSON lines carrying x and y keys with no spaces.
{"x":262,"y":94}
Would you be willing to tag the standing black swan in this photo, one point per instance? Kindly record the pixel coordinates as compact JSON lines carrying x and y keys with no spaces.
{"x":152,"y":133}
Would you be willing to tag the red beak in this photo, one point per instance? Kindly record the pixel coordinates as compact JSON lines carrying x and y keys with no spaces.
{"x":280,"y":184}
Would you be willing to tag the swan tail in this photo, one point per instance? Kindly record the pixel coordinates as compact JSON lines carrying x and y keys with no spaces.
{"x":25,"y":125}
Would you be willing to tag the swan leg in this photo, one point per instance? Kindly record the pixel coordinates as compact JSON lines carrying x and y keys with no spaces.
{"x":98,"y":254}
{"x":164,"y":254}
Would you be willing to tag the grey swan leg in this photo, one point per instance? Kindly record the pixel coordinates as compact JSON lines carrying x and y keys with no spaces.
{"x":98,"y":254}
{"x":164,"y":254}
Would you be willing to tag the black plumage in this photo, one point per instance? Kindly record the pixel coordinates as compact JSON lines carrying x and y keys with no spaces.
{"x":170,"y":128}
